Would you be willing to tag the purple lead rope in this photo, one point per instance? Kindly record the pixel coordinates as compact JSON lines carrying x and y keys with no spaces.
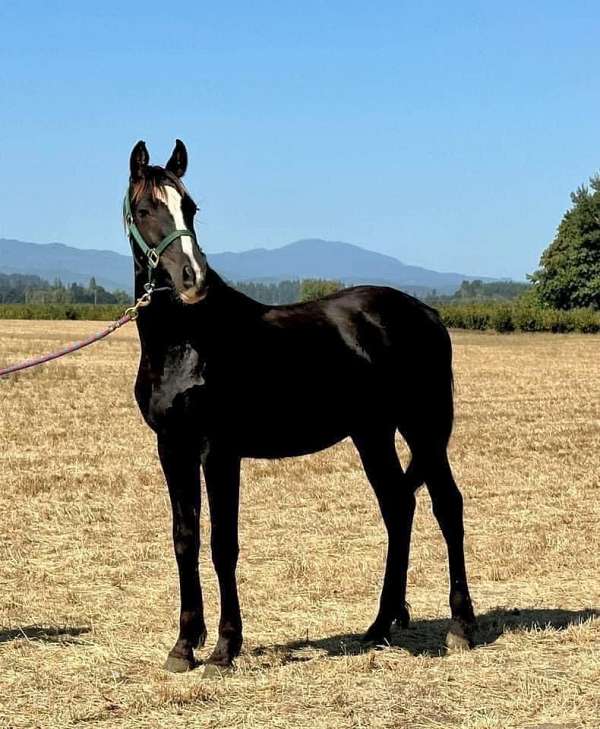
{"x":26,"y":364}
{"x":129,"y":315}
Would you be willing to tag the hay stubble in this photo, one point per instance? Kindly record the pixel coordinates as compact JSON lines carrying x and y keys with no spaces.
{"x":88,"y":587}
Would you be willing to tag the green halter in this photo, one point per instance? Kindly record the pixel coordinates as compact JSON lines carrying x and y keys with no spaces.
{"x":152,"y":254}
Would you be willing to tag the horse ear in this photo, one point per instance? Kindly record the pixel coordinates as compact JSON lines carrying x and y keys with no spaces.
{"x":179,"y":159}
{"x":138,"y":161}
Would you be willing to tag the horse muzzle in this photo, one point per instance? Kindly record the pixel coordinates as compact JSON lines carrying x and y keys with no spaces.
{"x":193,"y":295}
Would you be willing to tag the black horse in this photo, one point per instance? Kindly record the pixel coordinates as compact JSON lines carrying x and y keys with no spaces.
{"x":223,"y":377}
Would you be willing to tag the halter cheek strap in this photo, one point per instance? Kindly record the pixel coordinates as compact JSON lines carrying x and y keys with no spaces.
{"x":152,"y":254}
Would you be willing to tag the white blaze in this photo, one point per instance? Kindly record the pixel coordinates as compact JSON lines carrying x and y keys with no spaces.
{"x":173,"y":202}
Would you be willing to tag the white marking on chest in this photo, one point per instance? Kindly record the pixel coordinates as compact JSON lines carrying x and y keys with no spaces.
{"x":182,"y":372}
{"x":172,"y":200}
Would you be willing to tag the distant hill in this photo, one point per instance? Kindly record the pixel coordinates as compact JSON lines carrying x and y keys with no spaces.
{"x":71,"y":265}
{"x":310,"y":258}
{"x":316,"y":258}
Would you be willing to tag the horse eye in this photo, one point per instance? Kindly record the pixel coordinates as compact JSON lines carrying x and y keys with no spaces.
{"x":143,"y":213}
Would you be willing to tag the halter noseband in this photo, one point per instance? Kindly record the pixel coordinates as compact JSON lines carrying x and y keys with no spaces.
{"x":152,"y":254}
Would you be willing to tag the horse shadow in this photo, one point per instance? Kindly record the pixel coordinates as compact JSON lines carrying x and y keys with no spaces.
{"x":427,"y":637}
{"x":66,"y":635}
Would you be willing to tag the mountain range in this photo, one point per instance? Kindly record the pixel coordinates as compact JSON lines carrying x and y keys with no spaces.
{"x":308,"y":258}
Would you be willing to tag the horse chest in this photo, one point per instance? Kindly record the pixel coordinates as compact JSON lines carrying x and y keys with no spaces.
{"x":170,"y":392}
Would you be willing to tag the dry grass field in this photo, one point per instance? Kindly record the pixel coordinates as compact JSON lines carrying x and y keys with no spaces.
{"x":88,"y":586}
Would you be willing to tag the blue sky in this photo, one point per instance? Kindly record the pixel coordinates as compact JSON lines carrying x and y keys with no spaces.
{"x":446,"y":134}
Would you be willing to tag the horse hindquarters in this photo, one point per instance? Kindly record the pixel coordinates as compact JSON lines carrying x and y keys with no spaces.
{"x":427,"y":428}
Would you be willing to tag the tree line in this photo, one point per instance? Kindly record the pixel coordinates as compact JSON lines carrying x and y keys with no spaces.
{"x":478,"y":290}
{"x":16,"y":288}
{"x":289,"y":292}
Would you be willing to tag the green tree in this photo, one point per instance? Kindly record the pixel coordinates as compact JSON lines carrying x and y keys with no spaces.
{"x":478,"y":290}
{"x":315,"y":288}
{"x":282,"y":292}
{"x":93,"y":289}
{"x":569,"y":273}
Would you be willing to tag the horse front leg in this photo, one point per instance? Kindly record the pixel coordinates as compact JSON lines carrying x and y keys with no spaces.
{"x":222,"y":475}
{"x":396,"y":497}
{"x":181,"y":466}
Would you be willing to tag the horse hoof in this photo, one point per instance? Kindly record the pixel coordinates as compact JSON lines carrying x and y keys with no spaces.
{"x":459,"y":637}
{"x":212,"y":671}
{"x":178,"y":664}
{"x":377,"y":635}
{"x":403,"y":619}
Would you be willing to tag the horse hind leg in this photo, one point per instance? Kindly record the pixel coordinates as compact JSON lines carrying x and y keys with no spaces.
{"x":447,"y":503}
{"x":427,"y":433}
{"x":395,"y":492}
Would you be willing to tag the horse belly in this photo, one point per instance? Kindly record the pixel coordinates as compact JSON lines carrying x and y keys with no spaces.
{"x":294,"y":423}
{"x":285,"y":440}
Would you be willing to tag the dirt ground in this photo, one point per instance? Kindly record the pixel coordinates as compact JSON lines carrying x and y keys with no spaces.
{"x":88,"y":584}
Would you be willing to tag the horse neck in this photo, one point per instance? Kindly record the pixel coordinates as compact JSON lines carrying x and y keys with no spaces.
{"x":167,"y":321}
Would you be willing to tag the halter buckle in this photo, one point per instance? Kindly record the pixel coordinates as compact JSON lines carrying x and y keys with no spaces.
{"x":153,"y":258}
{"x":133,"y":311}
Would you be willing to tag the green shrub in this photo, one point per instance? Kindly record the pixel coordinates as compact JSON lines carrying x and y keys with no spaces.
{"x":477,"y":317}
{"x":520,"y":316}
{"x":103,"y":312}
{"x":315,"y":288}
{"x":585,"y":320}
{"x":466,"y":316}
{"x":528,"y":319}
{"x":501,"y":319}
{"x":557,"y":322}
{"x":452,"y":316}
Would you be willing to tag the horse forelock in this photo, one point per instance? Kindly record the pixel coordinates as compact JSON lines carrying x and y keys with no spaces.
{"x":153,"y":184}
